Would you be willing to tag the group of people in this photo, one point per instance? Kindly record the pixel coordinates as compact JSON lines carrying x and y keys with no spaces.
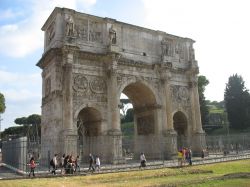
{"x":68,"y":164}
{"x":184,"y":156}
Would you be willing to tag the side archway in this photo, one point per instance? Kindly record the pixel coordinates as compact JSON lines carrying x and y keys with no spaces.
{"x":180,"y":126}
{"x":89,"y":121}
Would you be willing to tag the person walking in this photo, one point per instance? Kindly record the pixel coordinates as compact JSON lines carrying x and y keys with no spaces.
{"x":32,"y":165}
{"x":54,"y":165}
{"x":91,"y":162}
{"x":62,"y":164}
{"x":76,"y":162}
{"x":97,"y":163}
{"x":143,"y":160}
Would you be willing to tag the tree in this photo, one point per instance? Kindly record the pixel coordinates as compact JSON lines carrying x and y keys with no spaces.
{"x":21,"y":121}
{"x":32,"y":126}
{"x":202,"y":83}
{"x":237,"y":100}
{"x":2,"y":103}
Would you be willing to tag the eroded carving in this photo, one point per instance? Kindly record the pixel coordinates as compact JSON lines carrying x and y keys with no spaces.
{"x":112,"y":35}
{"x":51,"y":32}
{"x":70,"y":25}
{"x":167,"y":47}
{"x":98,"y":85}
{"x":80,"y":83}
{"x":180,"y":94}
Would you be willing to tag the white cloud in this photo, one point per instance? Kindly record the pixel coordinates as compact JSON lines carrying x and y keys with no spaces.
{"x":8,"y":14}
{"x":25,"y":36}
{"x":18,"y":79}
{"x":22,"y":94}
{"x":220,"y":29}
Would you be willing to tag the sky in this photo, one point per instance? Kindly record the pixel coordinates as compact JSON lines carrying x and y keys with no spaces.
{"x":220,"y":28}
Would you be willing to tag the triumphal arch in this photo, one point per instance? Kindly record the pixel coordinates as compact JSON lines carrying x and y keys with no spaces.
{"x":89,"y":61}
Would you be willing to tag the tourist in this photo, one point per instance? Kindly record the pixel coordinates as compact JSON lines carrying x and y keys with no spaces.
{"x":32,"y":166}
{"x":143,"y":160}
{"x":179,"y":157}
{"x":76,"y":164}
{"x":190,"y":156}
{"x":202,"y":155}
{"x":91,"y":162}
{"x":54,"y":165}
{"x":97,"y":163}
{"x":62,"y":164}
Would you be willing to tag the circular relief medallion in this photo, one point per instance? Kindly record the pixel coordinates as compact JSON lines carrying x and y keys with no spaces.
{"x":183,"y":93}
{"x":80,"y":83}
{"x":98,"y":85}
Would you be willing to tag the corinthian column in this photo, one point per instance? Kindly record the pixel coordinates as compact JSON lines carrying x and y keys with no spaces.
{"x":196,"y":107}
{"x":113,"y":100}
{"x":69,"y":131}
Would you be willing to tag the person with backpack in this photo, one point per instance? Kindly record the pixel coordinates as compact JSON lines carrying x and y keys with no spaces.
{"x":32,"y":165}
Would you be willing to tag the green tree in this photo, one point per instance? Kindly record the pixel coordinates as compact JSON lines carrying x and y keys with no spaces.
{"x":202,"y":83}
{"x":21,"y":121}
{"x":237,"y":100}
{"x":2,"y":103}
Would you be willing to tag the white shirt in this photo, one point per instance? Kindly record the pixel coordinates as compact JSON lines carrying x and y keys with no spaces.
{"x":97,"y":161}
{"x":55,"y":160}
{"x":142,"y":157}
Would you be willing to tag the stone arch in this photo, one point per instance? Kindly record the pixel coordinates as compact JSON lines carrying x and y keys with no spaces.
{"x":180,"y":121}
{"x":123,"y":85}
{"x":146,"y":124}
{"x":89,"y":130}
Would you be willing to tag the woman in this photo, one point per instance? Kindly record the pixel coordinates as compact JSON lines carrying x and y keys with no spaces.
{"x":32,"y":166}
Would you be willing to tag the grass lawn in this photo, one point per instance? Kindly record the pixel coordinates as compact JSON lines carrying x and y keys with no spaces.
{"x":228,"y":174}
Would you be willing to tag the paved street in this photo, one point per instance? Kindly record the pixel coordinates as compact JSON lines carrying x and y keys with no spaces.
{"x":7,"y":173}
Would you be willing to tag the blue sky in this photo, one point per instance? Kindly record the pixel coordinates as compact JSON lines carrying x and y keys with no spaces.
{"x":220,"y":28}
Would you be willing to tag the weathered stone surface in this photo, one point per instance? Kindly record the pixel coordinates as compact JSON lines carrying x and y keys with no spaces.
{"x":89,"y":61}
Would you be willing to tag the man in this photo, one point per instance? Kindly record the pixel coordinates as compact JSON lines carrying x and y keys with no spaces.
{"x":143,"y":160}
{"x":91,"y":161}
{"x":54,"y":164}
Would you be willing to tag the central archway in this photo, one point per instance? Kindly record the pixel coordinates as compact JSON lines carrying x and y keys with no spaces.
{"x":145,"y":121}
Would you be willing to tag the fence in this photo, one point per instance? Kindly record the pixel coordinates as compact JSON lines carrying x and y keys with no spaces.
{"x":17,"y":153}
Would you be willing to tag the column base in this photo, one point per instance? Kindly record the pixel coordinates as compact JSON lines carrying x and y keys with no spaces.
{"x":114,"y":144}
{"x":170,"y":143}
{"x":198,"y":142}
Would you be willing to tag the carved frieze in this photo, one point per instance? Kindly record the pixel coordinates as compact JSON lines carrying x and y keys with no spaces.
{"x":80,"y":83}
{"x":180,"y":95}
{"x":145,"y":125}
{"x":98,"y":85}
{"x":88,"y":88}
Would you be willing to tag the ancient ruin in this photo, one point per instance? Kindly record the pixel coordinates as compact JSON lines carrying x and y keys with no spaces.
{"x":89,"y":61}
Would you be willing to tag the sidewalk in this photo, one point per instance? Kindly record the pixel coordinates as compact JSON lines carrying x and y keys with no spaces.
{"x":133,"y":166}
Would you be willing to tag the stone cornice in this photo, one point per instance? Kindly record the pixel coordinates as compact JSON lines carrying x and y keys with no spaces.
{"x":48,"y":56}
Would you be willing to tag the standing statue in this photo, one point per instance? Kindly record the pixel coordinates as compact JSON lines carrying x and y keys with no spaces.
{"x":70,"y":30}
{"x":112,"y":35}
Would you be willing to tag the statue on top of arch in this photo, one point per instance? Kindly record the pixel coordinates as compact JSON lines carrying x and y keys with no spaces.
{"x":70,"y":25}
